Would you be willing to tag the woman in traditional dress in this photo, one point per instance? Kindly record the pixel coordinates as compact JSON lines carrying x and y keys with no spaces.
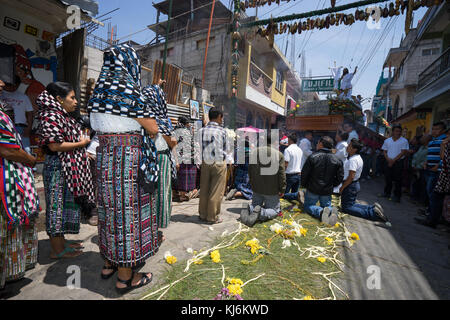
{"x":164,"y":142}
{"x":67,"y":175}
{"x":242,"y":187}
{"x":19,"y":205}
{"x":186,"y":167}
{"x":127,"y":170}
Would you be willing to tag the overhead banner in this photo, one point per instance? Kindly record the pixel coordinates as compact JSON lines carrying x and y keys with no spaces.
{"x":316,"y":85}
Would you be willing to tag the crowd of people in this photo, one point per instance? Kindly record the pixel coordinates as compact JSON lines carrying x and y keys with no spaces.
{"x":126,"y":163}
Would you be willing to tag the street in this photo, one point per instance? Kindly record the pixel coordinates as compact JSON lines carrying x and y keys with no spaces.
{"x":413,"y":260}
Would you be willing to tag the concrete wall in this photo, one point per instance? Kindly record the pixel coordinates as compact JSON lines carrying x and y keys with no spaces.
{"x":35,"y":52}
{"x":186,"y":55}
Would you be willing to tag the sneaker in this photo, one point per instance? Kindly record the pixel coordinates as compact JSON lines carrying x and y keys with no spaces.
{"x":379,"y":211}
{"x":325,"y":214}
{"x":245,"y":214}
{"x":231,"y":194}
{"x":332,"y":219}
{"x":422,"y":212}
{"x":425,"y":222}
{"x":383,"y":195}
{"x":395,"y":199}
{"x":254,"y":216}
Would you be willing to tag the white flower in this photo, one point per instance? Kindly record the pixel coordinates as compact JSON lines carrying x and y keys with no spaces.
{"x":167,"y":254}
{"x":189,"y":250}
{"x":286,"y":243}
{"x":347,"y":234}
{"x":276,"y":228}
{"x":211,"y":228}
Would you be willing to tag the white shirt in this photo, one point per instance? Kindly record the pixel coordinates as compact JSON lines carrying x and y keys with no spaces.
{"x":341,"y":151}
{"x":346,"y":82}
{"x":352,"y":135}
{"x":108,"y":123}
{"x":354,"y":163}
{"x":20,"y":103}
{"x":293,"y":155}
{"x":306,"y":147}
{"x":394,"y":148}
{"x":160,"y":143}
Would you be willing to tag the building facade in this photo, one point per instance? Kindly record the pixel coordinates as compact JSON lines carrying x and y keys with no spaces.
{"x":263,"y":70}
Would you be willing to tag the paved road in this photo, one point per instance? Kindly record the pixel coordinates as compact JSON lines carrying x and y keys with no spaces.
{"x":414,"y":261}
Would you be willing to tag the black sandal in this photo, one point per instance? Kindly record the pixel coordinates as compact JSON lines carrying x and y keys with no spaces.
{"x":107,"y":276}
{"x":144,"y":281}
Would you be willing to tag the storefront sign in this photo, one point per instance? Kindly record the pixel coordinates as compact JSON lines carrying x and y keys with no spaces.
{"x":317,"y":85}
{"x":314,"y":108}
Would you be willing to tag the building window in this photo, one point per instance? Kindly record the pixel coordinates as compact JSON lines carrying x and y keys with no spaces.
{"x":201,"y":44}
{"x":430,"y":52}
{"x":170,"y":52}
{"x":279,"y":83}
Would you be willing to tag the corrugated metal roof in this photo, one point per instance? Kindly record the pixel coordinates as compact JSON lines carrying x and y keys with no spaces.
{"x":90,"y":7}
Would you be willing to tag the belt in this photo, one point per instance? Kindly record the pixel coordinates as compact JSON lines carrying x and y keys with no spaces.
{"x":167,"y":152}
{"x":21,"y":125}
{"x":293,"y":174}
{"x":119,"y":133}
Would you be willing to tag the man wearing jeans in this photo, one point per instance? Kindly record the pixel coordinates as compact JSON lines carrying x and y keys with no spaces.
{"x":293,"y":157}
{"x":268,"y":182}
{"x":394,"y":149}
{"x":434,"y":163}
{"x":353,"y":168}
{"x":321,"y":173}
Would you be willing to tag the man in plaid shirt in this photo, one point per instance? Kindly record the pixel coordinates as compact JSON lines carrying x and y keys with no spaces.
{"x":213,"y":142}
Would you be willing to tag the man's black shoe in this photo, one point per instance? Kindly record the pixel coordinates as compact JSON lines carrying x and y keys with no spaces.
{"x":425,"y":222}
{"x":383,"y":195}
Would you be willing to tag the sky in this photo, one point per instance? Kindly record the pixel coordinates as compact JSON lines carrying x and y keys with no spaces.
{"x":348,"y":46}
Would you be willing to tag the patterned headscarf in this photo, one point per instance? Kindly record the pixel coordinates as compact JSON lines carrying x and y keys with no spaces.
{"x":118,"y":92}
{"x":118,"y":88}
{"x":157,"y":102}
{"x":56,"y":126}
{"x":19,"y":197}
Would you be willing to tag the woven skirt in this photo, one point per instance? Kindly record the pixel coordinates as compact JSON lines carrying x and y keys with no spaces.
{"x":18,"y":250}
{"x":164,"y":191}
{"x":127,"y":215}
{"x":186,"y":177}
{"x":62,"y":213}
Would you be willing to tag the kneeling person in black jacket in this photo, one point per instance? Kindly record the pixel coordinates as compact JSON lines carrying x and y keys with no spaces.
{"x":321,"y":173}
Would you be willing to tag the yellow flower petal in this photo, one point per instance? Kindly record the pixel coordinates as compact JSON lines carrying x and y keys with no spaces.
{"x":354,"y":236}
{"x":322,"y":259}
{"x":308,"y":298}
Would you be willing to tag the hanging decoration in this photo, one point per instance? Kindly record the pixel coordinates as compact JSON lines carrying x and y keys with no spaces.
{"x":390,"y":10}
{"x":336,"y":19}
{"x":235,"y":38}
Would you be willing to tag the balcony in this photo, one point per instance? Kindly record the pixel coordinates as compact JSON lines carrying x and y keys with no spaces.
{"x":259,"y":90}
{"x":434,"y":81}
{"x":260,"y":81}
{"x":435,"y":70}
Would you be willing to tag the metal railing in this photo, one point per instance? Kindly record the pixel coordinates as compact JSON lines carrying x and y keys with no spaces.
{"x":434,"y":70}
{"x":259,"y":79}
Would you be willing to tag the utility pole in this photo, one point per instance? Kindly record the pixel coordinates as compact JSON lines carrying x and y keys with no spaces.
{"x":235,"y":38}
{"x":167,"y":41}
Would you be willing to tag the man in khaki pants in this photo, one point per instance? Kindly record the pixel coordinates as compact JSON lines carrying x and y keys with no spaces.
{"x":213,"y":140}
